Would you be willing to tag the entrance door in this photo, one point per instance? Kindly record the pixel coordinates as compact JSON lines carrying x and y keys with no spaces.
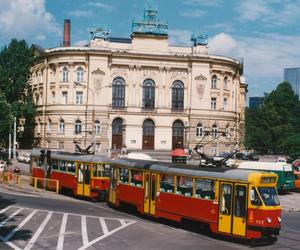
{"x":117,"y":133}
{"x":240,"y":209}
{"x":83,"y":179}
{"x":150,"y":180}
{"x":114,"y":175}
{"x":177,"y":134}
{"x":225,"y":207}
{"x":148,"y":135}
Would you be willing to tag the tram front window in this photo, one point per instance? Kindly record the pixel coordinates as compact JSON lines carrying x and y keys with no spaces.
{"x":269,"y":196}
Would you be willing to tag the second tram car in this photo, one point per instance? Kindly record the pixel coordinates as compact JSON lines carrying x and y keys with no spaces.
{"x":233,"y":202}
{"x":83,"y":175}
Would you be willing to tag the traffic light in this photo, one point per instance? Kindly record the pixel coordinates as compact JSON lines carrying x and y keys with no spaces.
{"x":42,"y":156}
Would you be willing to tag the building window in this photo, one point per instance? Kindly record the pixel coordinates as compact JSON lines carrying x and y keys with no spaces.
{"x":225,"y":82}
{"x":64,"y":97}
{"x":61,"y":126}
{"x":225,"y":103}
{"x":98,"y":147}
{"x":61,"y":145}
{"x":118,"y":93}
{"x":214,"y":82}
{"x":148,"y":128}
{"x":227,"y":133}
{"x":213,"y":103}
{"x":49,"y":126}
{"x":65,"y":74}
{"x":199,"y":130}
{"x":77,"y":127}
{"x":79,"y":97}
{"x":79,"y":74}
{"x":97,"y":127}
{"x":177,"y":95}
{"x":149,"y":94}
{"x":214,"y":131}
{"x":53,"y":97}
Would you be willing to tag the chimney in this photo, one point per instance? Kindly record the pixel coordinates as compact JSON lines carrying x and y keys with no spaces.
{"x":67,"y":30}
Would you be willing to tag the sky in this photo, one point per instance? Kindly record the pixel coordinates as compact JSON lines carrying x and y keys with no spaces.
{"x":265,"y":33}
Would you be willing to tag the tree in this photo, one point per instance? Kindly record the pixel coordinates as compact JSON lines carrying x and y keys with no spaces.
{"x":15,"y":62}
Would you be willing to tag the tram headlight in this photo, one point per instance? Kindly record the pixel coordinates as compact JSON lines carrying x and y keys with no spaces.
{"x":279,"y":219}
{"x":269,"y":220}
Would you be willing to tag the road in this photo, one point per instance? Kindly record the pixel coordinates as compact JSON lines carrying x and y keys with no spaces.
{"x":32,"y":222}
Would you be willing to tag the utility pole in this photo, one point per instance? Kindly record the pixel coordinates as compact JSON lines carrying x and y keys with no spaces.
{"x":9,"y":145}
{"x":15,"y":138}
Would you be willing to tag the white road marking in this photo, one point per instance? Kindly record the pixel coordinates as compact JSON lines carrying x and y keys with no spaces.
{"x":104,"y":226}
{"x":10,"y":217}
{"x":85,"y":239}
{"x":105,"y":235}
{"x":12,"y":233}
{"x":38,"y":232}
{"x":5,"y":209}
{"x":10,"y":244}
{"x":60,"y":242}
{"x":122,"y":222}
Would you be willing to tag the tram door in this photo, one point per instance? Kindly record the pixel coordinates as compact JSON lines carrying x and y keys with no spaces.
{"x":225,"y":207}
{"x":83,"y":179}
{"x":114,"y":176}
{"x":150,"y":181}
{"x":240,"y":210}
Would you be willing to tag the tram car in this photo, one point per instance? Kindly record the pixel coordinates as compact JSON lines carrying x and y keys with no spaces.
{"x":83,"y":175}
{"x":233,"y":202}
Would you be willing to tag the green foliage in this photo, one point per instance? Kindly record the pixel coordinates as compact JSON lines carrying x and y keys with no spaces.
{"x":274,"y":126}
{"x":16,"y":98}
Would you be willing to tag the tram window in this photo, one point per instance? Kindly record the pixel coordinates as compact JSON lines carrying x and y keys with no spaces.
{"x":240,"y":201}
{"x":254,"y":197}
{"x":54,"y":164}
{"x":106,"y":168}
{"x":34,"y":162}
{"x":124,"y":175}
{"x":40,"y":163}
{"x":167,"y":183}
{"x":184,"y":185}
{"x":205,"y":189}
{"x":136,"y":178}
{"x":62,"y":166}
{"x":71,"y":167}
{"x":113,"y":176}
{"x":97,"y":170}
{"x":225,"y":199}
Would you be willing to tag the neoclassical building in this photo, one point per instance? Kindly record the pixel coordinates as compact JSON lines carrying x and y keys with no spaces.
{"x":139,"y":91}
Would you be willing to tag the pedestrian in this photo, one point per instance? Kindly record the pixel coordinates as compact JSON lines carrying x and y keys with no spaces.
{"x":16,"y":174}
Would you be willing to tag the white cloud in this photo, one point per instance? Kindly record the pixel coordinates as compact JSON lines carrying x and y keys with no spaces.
{"x":180,"y":37}
{"x":100,"y":5}
{"x":81,"y":43}
{"x":209,"y":3}
{"x":271,"y":13}
{"x":26,"y":18}
{"x":265,"y":56}
{"x":40,"y":37}
{"x":80,"y":13}
{"x":192,"y":13}
{"x":224,"y":26}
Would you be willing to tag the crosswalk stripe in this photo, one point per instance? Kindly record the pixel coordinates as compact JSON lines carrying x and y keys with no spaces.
{"x":5,"y":209}
{"x":60,"y":242}
{"x":38,"y":231}
{"x":104,"y":226}
{"x":84,"y":230}
{"x":12,"y":233}
{"x":10,"y":217}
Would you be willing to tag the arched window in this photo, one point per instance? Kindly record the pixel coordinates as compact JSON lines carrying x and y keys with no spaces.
{"x":61,"y":126}
{"x":79,"y":74}
{"x":227,"y":133}
{"x":117,"y":126}
{"x":65,"y":74}
{"x":77,"y":127}
{"x":225,"y":82}
{"x":149,"y":94}
{"x":199,"y":130}
{"x":49,"y":126}
{"x":97,"y":127}
{"x":214,"y":82}
{"x":148,"y":127}
{"x":118,"y":93}
{"x":177,"y":95}
{"x":214,"y":131}
{"x":225,"y":103}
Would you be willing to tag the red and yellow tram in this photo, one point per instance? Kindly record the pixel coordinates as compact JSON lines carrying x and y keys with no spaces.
{"x":233,"y":202}
{"x":83,"y":175}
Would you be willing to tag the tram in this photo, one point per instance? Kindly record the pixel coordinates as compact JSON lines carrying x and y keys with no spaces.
{"x":233,"y":202}
{"x":83,"y":175}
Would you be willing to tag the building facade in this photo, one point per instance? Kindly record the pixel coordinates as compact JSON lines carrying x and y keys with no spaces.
{"x":292,"y":75}
{"x":140,"y":93}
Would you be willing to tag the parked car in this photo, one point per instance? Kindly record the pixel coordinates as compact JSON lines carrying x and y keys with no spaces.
{"x":253,"y":157}
{"x":24,"y":158}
